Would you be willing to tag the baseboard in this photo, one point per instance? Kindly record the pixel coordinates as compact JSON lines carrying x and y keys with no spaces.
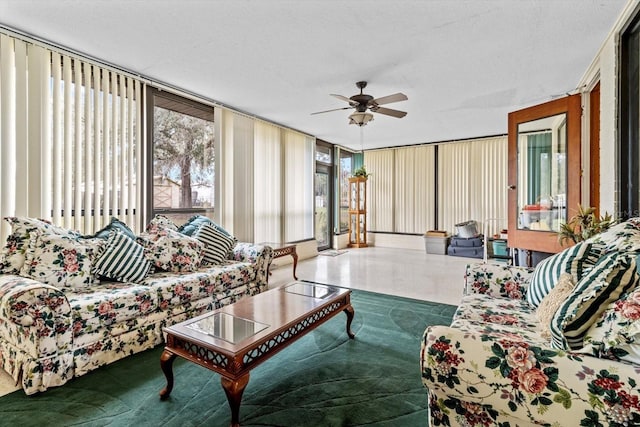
{"x":400,"y":241}
{"x":305,"y":250}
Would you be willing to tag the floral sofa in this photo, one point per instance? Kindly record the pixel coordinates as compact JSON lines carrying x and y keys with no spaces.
{"x":59,"y":321}
{"x":501,"y":362}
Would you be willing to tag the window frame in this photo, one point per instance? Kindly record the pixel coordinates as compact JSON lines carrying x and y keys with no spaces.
{"x":183,"y":105}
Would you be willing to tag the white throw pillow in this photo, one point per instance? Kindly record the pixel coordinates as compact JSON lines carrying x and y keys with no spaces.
{"x":550,"y":303}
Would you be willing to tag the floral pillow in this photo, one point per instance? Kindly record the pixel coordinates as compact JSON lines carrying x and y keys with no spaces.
{"x":160,"y":222}
{"x":622,"y":237}
{"x":172,"y":251}
{"x":616,"y":333}
{"x":61,"y":261}
{"x":13,"y":254}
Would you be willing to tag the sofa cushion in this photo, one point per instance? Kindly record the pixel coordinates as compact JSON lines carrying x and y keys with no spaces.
{"x":550,"y":304}
{"x":484,"y":315}
{"x":61,"y":261}
{"x":574,"y":260}
{"x":122,"y":259}
{"x":177,"y":289}
{"x":105,"y":305}
{"x":616,"y":333}
{"x":170,"y":250}
{"x":217,"y":245}
{"x":13,"y":253}
{"x":613,"y":275}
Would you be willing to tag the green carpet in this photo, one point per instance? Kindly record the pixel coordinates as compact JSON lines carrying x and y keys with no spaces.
{"x":324,"y":379}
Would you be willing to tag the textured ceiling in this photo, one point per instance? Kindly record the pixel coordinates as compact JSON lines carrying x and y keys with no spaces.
{"x":463,"y":64}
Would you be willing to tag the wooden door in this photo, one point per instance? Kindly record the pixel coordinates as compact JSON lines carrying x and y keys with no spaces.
{"x":543,"y":191}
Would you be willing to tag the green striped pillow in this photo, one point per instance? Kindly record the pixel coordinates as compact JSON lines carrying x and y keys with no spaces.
{"x":613,"y":275}
{"x":217,"y":244}
{"x":122,"y":259}
{"x":574,"y":260}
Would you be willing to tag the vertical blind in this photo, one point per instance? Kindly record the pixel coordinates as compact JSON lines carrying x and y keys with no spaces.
{"x":298,"y":175}
{"x":70,"y":139}
{"x":401,"y":189}
{"x":472,"y":177}
{"x":454,"y":175}
{"x":268,"y":184}
{"x":380,"y":189}
{"x":472,"y":184}
{"x":414,"y":189}
{"x":267,"y":180}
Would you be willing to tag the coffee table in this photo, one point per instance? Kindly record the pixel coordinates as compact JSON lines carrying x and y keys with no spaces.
{"x":236,"y":338}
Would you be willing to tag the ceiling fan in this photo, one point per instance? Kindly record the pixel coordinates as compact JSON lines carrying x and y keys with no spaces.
{"x":363,"y":102}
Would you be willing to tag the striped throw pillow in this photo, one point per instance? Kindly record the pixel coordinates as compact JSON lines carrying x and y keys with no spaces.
{"x":217,"y":244}
{"x":574,"y":260}
{"x":613,"y":275}
{"x":122,"y":259}
{"x":195,"y":222}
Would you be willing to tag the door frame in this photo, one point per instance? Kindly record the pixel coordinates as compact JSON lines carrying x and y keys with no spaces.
{"x":326,"y":169}
{"x":545,"y":241}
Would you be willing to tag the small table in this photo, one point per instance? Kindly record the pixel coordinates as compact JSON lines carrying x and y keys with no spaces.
{"x":284,"y":249}
{"x":234,"y":339}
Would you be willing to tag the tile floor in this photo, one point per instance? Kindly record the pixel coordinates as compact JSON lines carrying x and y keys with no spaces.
{"x":406,"y":273}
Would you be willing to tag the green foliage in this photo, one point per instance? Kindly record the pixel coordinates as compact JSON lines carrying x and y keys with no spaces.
{"x":361,"y":172}
{"x":584,"y":225}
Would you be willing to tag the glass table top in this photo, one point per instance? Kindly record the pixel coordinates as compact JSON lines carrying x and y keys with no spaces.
{"x":311,"y":289}
{"x":228,"y":327}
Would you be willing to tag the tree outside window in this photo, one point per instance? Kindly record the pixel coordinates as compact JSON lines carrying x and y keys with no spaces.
{"x":183,"y":160}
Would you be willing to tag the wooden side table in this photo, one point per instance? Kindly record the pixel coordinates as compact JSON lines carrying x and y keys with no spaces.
{"x":284,"y":249}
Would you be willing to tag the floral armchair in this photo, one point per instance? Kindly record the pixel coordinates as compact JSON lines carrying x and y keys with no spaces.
{"x":493,"y":367}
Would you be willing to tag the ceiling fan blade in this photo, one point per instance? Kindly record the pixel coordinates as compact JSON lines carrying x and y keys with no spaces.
{"x":328,"y":111}
{"x":389,"y":112}
{"x":390,"y":98}
{"x":344,"y":98}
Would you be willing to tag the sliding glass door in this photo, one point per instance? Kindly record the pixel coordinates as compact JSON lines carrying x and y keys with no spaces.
{"x":324,"y":211}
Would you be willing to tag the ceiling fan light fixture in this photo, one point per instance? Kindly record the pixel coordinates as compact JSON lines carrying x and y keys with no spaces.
{"x":360,"y":119}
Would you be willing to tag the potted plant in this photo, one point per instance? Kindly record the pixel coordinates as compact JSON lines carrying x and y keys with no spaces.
{"x":584,"y":225}
{"x":361,"y":172}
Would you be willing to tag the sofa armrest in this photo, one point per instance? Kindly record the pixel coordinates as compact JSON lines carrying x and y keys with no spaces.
{"x":502,"y":373}
{"x":38,"y":316}
{"x":259,"y":254}
{"x":497,"y":280}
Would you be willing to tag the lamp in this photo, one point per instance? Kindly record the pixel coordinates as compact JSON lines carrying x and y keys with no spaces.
{"x":360,"y":119}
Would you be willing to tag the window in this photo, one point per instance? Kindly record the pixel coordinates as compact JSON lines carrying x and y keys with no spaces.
{"x":629,"y":153}
{"x":183,"y":157}
{"x":346,"y":169}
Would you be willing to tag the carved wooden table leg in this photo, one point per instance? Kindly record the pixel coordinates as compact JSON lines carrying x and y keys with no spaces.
{"x":233,"y":390}
{"x":166,"y":363}
{"x":349,"y":311}
{"x":294,"y":255}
